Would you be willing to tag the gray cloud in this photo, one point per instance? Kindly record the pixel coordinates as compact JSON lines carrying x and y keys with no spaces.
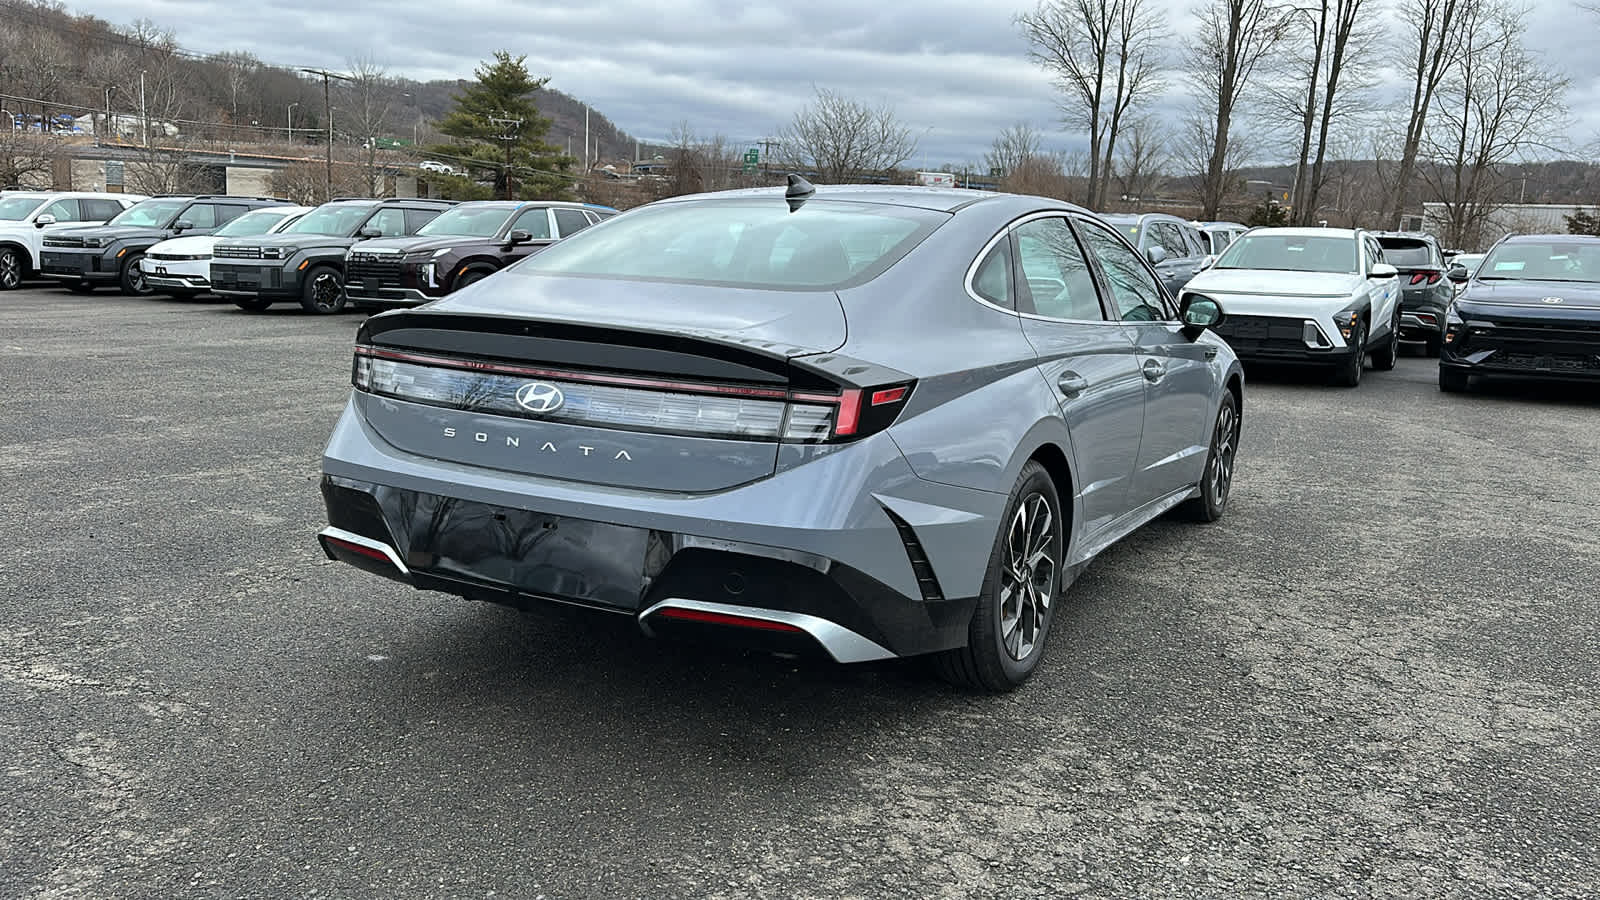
{"x":957,"y":73}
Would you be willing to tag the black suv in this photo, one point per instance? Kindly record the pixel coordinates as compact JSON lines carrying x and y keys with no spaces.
{"x":466,"y":244}
{"x":305,"y":261}
{"x":1425,"y":292}
{"x":84,"y":258}
{"x":1531,"y":310}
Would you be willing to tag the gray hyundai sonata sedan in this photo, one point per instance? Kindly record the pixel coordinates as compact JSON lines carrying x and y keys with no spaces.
{"x":869,"y":422}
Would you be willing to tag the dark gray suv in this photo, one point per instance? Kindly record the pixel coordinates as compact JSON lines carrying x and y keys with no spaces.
{"x":1425,"y":288}
{"x":1173,"y":246}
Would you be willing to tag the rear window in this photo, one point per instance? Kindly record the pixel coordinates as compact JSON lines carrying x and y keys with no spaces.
{"x":755,"y":243}
{"x":1406,"y":253}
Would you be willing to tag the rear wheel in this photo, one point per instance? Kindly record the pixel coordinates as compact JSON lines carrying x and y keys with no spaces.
{"x":10,"y":269}
{"x":1017,"y":603}
{"x":132,"y":279}
{"x":1218,"y":476}
{"x":323,"y":292}
{"x":251,"y":304}
{"x":1349,"y":372}
{"x":1452,"y":381}
{"x":1385,"y":359}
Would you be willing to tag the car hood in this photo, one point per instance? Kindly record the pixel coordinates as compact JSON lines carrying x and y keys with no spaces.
{"x":289,"y":240}
{"x":117,"y":232}
{"x":791,"y":323}
{"x":1552,"y":295}
{"x":1272,"y":283}
{"x":200,"y":243}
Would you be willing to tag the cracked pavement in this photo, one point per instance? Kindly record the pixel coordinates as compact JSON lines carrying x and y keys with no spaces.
{"x":1374,"y":677}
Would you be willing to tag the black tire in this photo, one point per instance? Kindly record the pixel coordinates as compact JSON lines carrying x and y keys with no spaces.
{"x":11,"y":269}
{"x":322,"y":292}
{"x":132,"y":278}
{"x":472,"y":276}
{"x":1385,"y":359}
{"x":1217,"y":479}
{"x":251,"y":304}
{"x":80,"y":287}
{"x":998,"y":658}
{"x":1452,"y":381}
{"x":1349,"y":372}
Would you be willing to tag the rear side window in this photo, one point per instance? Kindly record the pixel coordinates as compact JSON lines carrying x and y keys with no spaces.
{"x":571,"y":221}
{"x":1401,"y":252}
{"x":416,"y":218}
{"x":755,"y":243}
{"x":99,"y":210}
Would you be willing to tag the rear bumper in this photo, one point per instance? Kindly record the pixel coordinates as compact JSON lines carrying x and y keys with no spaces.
{"x":1422,"y":315}
{"x":813,"y":548}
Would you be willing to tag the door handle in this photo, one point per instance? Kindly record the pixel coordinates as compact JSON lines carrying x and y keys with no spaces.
{"x":1072,"y":384}
{"x":1154,"y":369}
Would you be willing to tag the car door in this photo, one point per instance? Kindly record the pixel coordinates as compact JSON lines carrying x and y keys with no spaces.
{"x":1384,"y":293}
{"x":1086,"y":359}
{"x":67,"y":211}
{"x":1178,"y":379}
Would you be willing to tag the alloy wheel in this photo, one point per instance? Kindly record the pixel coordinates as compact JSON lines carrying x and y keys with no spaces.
{"x":325,"y":290}
{"x":1222,"y":449}
{"x":10,"y":270}
{"x":1028,"y":578}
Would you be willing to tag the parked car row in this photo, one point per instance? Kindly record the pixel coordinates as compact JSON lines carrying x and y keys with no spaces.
{"x":257,"y":251}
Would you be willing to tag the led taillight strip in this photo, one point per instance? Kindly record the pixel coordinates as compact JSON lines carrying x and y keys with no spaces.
{"x":654,"y":384}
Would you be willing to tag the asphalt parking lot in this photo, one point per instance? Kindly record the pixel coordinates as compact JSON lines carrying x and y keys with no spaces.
{"x":1374,"y":678}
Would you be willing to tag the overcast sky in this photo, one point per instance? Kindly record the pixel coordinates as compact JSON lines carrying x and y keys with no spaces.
{"x":956,"y":72}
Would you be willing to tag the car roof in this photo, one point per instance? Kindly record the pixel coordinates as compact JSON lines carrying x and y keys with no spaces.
{"x":1309,"y":232}
{"x":1564,"y":238}
{"x":934,"y":198}
{"x":1220,"y":226}
{"x":1125,"y":218}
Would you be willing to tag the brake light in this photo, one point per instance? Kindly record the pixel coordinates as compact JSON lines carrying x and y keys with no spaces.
{"x":715,"y":618}
{"x":814,"y":418}
{"x":1428,"y":277}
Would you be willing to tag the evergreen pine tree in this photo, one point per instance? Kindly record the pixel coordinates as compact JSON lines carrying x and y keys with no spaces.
{"x":497,"y":130}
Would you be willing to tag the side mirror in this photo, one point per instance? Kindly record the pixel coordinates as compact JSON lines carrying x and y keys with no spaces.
{"x":1208,"y":262}
{"x":369,"y":233}
{"x":182,"y":225}
{"x":44,"y":220}
{"x":1457,"y":272}
{"x":1199,"y":312}
{"x":1156,"y":254}
{"x":518,"y":237}
{"x":1383,"y":270}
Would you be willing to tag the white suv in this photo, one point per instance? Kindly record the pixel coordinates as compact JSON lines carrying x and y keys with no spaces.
{"x":181,"y":266}
{"x":27,"y":216}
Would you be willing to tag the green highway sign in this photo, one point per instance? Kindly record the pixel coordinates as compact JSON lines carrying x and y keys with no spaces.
{"x":752,"y":159}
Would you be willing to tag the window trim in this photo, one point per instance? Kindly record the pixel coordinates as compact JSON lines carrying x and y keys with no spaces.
{"x":1006,"y":233}
{"x":1169,"y":304}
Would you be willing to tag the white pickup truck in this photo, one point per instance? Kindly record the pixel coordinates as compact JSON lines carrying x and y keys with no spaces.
{"x":27,"y":216}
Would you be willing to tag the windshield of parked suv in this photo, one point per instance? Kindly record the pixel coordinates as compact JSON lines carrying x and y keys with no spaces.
{"x":1290,"y":253}
{"x":1552,"y":260}
{"x":150,"y":213}
{"x":467,"y":222}
{"x":15,"y":209}
{"x":1408,"y":254}
{"x":251,"y":224}
{"x":755,"y":243}
{"x":332,"y":219}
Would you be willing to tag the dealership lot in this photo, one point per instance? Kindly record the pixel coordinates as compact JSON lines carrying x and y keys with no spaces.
{"x":1374,"y":677}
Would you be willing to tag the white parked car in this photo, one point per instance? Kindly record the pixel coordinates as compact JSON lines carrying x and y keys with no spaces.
{"x":437,"y":167}
{"x":1320,"y":296}
{"x":27,"y":216}
{"x":181,"y":266}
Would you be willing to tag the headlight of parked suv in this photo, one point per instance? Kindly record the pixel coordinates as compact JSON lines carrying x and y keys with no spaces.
{"x":275,"y":252}
{"x":1453,"y":325}
{"x":1346,"y":320}
{"x":425,"y":272}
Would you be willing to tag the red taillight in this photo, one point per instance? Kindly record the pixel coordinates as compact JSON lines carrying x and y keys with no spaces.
{"x":851,"y":413}
{"x":712,"y":618}
{"x":890,"y":395}
{"x":1428,"y":277}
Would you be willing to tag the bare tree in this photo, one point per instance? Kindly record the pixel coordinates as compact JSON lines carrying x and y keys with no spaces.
{"x":1013,"y":147}
{"x":1495,"y":104}
{"x":1141,"y":158}
{"x":1194,"y":149}
{"x":1233,"y":38}
{"x":239,"y":73}
{"x":1105,"y":58}
{"x":368,"y":95}
{"x":27,"y":160}
{"x":1431,"y":37}
{"x":1350,"y":43}
{"x":839,"y":138}
{"x":1041,"y":175}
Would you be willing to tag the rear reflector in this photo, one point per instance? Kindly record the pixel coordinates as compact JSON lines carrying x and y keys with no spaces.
{"x":891,"y":395}
{"x":358,"y":548}
{"x":712,"y":618}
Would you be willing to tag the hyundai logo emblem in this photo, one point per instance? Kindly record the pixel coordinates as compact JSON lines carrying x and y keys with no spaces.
{"x":540,"y":397}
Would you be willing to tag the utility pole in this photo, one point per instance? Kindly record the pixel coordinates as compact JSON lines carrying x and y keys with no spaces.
{"x":327,"y":111}
{"x":586,"y":138}
{"x":510,"y":136}
{"x":144,"y":117}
